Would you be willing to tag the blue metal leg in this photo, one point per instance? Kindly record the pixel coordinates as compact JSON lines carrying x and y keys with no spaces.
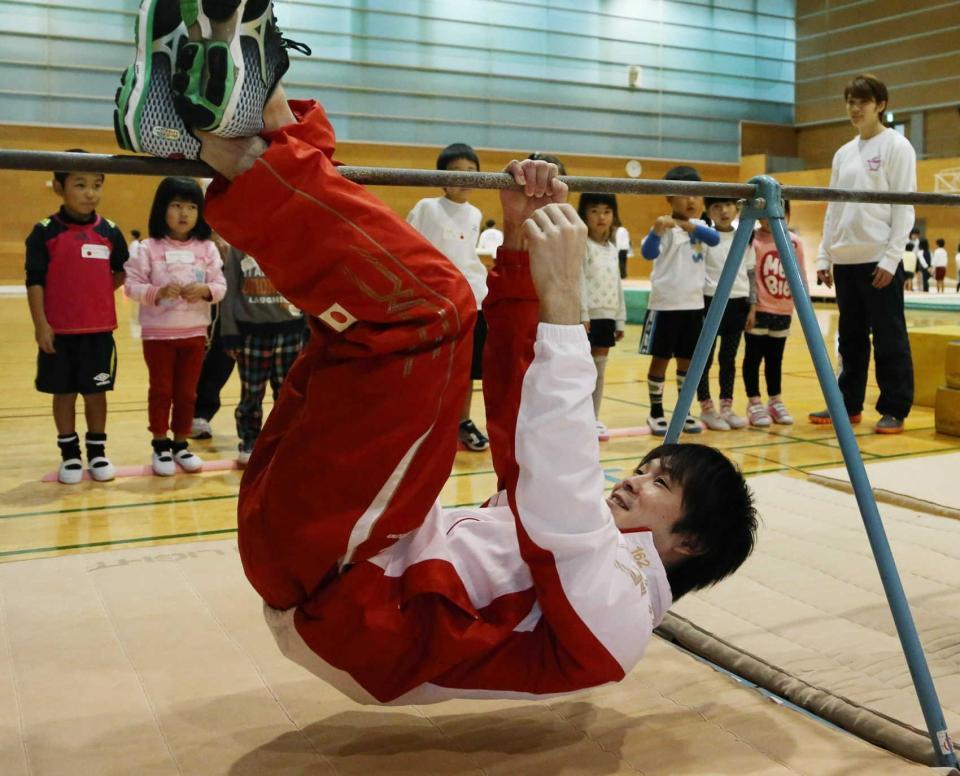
{"x":769,"y":191}
{"x":711,"y":326}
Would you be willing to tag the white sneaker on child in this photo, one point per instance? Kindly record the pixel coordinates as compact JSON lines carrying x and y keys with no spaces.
{"x":162,"y":463}
{"x":200,"y":429}
{"x":711,"y":418}
{"x":691,"y":425}
{"x":779,"y":413}
{"x":732,"y":418}
{"x":758,"y":415}
{"x":658,"y":426}
{"x":243,"y":457}
{"x":602,"y":431}
{"x":101,"y":469}
{"x":70,"y":471}
{"x":188,"y":460}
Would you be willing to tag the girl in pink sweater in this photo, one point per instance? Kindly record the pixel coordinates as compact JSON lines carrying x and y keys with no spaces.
{"x":175,"y":275}
{"x":768,"y":325}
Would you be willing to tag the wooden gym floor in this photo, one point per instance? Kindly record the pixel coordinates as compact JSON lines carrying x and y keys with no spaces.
{"x":47,"y":519}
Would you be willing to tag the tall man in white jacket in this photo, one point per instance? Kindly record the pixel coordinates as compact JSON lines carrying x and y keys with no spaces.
{"x":863,"y":243}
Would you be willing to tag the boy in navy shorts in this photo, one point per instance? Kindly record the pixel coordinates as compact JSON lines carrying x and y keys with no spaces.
{"x":675,"y":314}
{"x":74,"y":263}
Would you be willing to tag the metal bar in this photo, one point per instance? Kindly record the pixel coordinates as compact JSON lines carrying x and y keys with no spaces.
{"x":127,"y":164}
{"x":892,"y":586}
{"x":711,"y":325}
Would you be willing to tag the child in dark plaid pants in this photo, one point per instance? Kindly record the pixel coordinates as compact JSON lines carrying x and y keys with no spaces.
{"x":265,"y":333}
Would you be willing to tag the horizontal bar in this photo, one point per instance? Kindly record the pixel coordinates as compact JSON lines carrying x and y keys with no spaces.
{"x":126,"y":164}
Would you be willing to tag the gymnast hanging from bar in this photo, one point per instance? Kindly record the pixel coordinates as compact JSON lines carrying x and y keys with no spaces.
{"x":549,"y":587}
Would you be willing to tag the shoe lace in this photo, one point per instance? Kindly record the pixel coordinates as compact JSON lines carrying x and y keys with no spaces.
{"x":288,"y":44}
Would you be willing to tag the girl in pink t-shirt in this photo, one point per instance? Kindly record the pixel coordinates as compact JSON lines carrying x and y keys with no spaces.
{"x":768,"y":326}
{"x":175,"y":276}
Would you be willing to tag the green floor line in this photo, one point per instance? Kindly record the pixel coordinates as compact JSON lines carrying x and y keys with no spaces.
{"x":110,"y":507}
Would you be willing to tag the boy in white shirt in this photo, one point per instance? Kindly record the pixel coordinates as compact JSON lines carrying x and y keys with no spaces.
{"x":491,"y":238}
{"x":452,"y":224}
{"x":674,"y":318}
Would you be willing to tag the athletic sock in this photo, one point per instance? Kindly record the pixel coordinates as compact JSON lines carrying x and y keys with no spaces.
{"x":601,"y":363}
{"x":96,"y":444}
{"x":655,"y":386}
{"x":69,"y":445}
{"x":161,"y":445}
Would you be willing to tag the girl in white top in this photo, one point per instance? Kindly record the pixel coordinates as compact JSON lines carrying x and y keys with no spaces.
{"x":603,"y":308}
{"x":940,"y":261}
{"x":863,"y":243}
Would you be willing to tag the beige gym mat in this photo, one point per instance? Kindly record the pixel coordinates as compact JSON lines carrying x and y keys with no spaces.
{"x":806,"y":615}
{"x":928,"y":483}
{"x":157,"y":661}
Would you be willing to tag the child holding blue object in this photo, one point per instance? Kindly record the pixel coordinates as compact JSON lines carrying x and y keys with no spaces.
{"x":676,"y":244}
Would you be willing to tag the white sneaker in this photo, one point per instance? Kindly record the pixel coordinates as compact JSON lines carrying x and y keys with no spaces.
{"x":162,"y":463}
{"x":658,"y":426}
{"x":692,"y":426}
{"x":711,"y":418}
{"x":200,"y":429}
{"x":101,"y":469}
{"x":70,"y":471}
{"x":758,"y":415}
{"x":779,"y":413}
{"x":243,"y":457}
{"x":602,"y":430}
{"x":189,"y":461}
{"x":732,"y":418}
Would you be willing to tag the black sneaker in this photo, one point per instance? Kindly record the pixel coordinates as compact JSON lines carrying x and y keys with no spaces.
{"x":471,"y":437}
{"x":222,"y":86}
{"x":145,"y":119}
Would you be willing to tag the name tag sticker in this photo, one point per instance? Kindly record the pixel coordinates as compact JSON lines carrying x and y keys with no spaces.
{"x":95,"y":251}
{"x":179,"y":257}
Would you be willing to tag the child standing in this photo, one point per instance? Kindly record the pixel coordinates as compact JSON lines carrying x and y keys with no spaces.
{"x":742,"y":301}
{"x":175,"y":276}
{"x":603,"y":308}
{"x":909,"y":261}
{"x":769,"y":327}
{"x":264,"y":333}
{"x":452,"y":224}
{"x":74,"y":263}
{"x":940,"y":261}
{"x":674,"y":316}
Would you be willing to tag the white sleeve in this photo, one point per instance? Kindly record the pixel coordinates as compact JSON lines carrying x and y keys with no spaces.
{"x":584,"y":573}
{"x":901,"y":174}
{"x":415,"y":215}
{"x":833,"y":208}
{"x":584,"y":294}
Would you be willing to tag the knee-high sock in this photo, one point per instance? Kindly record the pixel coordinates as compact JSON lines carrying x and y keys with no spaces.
{"x":655,"y":386}
{"x":601,"y":364}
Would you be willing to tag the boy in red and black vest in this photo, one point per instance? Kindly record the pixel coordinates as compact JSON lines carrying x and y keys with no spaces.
{"x":74,"y":264}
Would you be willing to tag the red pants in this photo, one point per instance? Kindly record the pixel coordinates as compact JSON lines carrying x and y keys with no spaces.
{"x":174,"y":366}
{"x":364,"y":433}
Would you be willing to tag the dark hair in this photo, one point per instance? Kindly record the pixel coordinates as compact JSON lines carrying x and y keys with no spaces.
{"x":708,"y":201}
{"x":490,"y":223}
{"x":941,"y":242}
{"x":915,"y":231}
{"x":456,"y":151}
{"x":867,"y":87}
{"x":718,"y":512}
{"x":539,"y":157}
{"x":908,"y":246}
{"x":61,"y":175}
{"x":135,"y":233}
{"x":590,"y":198}
{"x":924,"y":244}
{"x":185,"y":189}
{"x":682,"y":173}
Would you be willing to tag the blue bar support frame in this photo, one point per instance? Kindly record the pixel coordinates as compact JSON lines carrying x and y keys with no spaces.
{"x":768,"y":203}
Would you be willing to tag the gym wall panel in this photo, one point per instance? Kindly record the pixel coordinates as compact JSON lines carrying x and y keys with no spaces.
{"x":496,"y":73}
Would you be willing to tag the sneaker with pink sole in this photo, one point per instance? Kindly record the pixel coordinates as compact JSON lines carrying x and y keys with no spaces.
{"x":779,"y":413}
{"x":732,"y":418}
{"x":758,"y":415}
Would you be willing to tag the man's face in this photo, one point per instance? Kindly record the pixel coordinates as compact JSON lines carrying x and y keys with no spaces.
{"x":649,"y":498}
{"x":81,"y":193}
{"x":460,"y":194}
{"x":686,"y":207}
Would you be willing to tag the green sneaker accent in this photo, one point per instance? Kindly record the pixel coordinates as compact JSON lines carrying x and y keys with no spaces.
{"x":190,"y":11}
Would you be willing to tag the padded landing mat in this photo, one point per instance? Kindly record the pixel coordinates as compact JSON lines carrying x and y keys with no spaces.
{"x":807,"y":618}
{"x":157,"y":661}
{"x":928,"y":483}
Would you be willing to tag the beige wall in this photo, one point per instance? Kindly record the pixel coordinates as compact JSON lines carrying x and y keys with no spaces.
{"x":126,"y":200}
